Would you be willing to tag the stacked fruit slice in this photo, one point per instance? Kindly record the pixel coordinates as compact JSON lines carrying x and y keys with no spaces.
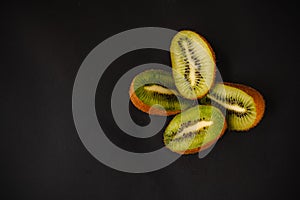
{"x":154,"y":91}
{"x":195,"y":127}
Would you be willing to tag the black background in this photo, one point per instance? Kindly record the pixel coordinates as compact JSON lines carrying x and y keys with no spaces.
{"x":43,"y":46}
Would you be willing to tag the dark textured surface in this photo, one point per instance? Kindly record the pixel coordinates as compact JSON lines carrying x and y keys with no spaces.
{"x":42,"y":48}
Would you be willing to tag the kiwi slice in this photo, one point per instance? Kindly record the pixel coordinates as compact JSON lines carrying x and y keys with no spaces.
{"x":245,"y":106}
{"x":154,"y":92}
{"x":195,"y":129}
{"x":193,"y":64}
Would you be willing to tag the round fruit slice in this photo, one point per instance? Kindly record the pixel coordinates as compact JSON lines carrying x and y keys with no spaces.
{"x":195,"y":129}
{"x":154,"y":92}
{"x":245,"y":106}
{"x":193,"y":64}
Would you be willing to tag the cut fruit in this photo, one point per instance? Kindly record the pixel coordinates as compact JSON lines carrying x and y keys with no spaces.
{"x":154,"y":92}
{"x":195,"y":129}
{"x":245,"y":106}
{"x":193,"y":64}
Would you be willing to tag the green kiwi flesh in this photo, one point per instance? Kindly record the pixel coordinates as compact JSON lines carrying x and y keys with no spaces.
{"x":154,"y":92}
{"x":194,"y":129}
{"x":193,"y":64}
{"x":245,"y":106}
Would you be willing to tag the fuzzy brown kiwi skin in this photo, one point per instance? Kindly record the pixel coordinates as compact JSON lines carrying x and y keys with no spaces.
{"x":209,"y":47}
{"x":146,"y":108}
{"x":196,"y":150}
{"x":258,"y":100}
{"x":213,"y":56}
{"x":215,"y":68}
{"x":206,"y":42}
